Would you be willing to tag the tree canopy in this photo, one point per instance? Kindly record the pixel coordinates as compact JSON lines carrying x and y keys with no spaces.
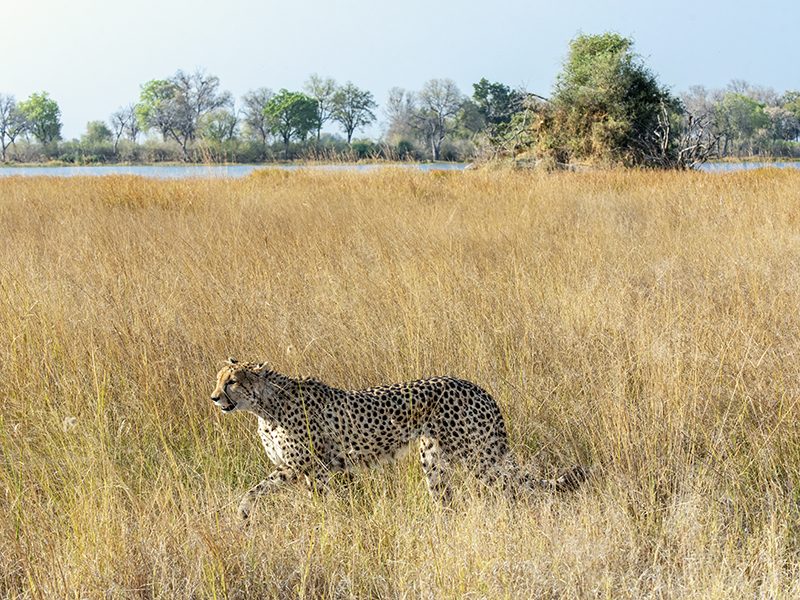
{"x":439,"y":103}
{"x":352,"y":108}
{"x":256,"y":123}
{"x":293,"y":115}
{"x":220,"y":125}
{"x":97,"y":132}
{"x":496,"y":102}
{"x":12,"y":122}
{"x":43,"y":117}
{"x":739,"y":117}
{"x":154,"y":109}
{"x":176,"y":106}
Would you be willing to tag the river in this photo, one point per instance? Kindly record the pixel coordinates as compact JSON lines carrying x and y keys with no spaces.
{"x":201,"y":171}
{"x":234,"y":171}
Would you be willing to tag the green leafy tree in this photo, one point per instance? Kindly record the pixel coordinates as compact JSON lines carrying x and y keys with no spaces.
{"x":12,"y":122}
{"x":496,"y":103}
{"x":791,"y":101}
{"x":738,"y":119}
{"x":352,"y":108}
{"x":97,"y":132}
{"x":607,"y":104}
{"x":293,"y":115}
{"x":155,"y":109}
{"x":219,"y":126}
{"x":43,"y":117}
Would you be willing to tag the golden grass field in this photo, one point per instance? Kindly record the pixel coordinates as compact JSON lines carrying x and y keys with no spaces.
{"x":645,"y":324}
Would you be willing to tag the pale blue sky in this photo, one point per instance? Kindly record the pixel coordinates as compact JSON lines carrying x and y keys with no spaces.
{"x":92,"y":55}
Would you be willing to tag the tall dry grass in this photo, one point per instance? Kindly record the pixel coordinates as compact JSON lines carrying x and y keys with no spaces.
{"x":643,"y":323}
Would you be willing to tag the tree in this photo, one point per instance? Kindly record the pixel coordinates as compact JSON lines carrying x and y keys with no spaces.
{"x":323,"y":90}
{"x":12,"y":122}
{"x":782,"y":123}
{"x":97,"y":132}
{"x":43,"y":117}
{"x":256,"y":122}
{"x":791,"y":102}
{"x":682,"y":140}
{"x":439,"y":103}
{"x":124,"y":122}
{"x":496,"y":103}
{"x":176,"y":105}
{"x":399,"y":110}
{"x":700,"y":101}
{"x":738,"y":119}
{"x":220,"y":125}
{"x":471,"y":120}
{"x":155,"y":107}
{"x":293,"y":115}
{"x":761,"y":94}
{"x":352,"y":108}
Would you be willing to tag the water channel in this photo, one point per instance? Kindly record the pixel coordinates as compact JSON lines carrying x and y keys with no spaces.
{"x":235,"y":171}
{"x":201,"y":171}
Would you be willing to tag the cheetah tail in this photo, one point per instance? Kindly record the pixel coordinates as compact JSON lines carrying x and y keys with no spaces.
{"x":569,"y":482}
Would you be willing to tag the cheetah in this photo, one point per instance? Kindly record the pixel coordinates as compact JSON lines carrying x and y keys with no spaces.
{"x":311,"y":430}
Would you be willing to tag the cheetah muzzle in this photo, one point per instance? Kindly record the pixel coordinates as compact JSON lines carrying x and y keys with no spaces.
{"x":311,"y":430}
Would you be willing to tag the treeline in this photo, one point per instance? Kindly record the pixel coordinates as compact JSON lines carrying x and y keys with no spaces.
{"x":606,"y":107}
{"x":748,"y":120}
{"x":189,"y":118}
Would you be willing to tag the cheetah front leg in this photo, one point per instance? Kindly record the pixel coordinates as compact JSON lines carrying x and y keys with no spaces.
{"x":434,"y":465}
{"x":279,"y":478}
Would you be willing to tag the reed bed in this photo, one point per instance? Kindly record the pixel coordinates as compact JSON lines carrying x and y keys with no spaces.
{"x":644,"y":324}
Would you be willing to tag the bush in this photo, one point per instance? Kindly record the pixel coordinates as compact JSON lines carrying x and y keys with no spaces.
{"x":365,"y":149}
{"x":607,"y":103}
{"x":85,"y":153}
{"x":406,"y":150}
{"x":607,"y":107}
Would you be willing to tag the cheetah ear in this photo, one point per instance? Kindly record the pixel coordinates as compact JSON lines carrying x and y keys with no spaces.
{"x":232,"y":361}
{"x":262,"y":366}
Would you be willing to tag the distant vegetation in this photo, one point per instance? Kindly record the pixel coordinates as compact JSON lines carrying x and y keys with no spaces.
{"x":606,"y":108}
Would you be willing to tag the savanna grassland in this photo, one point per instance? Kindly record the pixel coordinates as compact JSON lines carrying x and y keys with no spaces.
{"x":645,"y":324}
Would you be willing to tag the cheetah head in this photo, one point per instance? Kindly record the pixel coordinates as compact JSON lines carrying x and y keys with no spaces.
{"x":237,"y":386}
